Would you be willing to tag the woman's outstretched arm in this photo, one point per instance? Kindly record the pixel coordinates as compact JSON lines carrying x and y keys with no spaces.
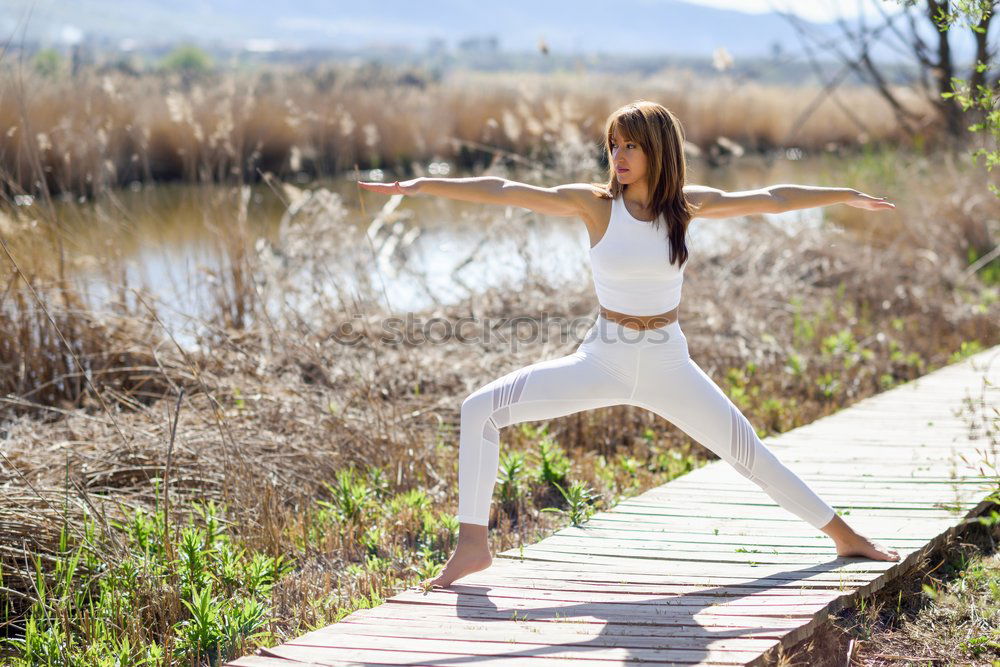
{"x":714,"y":203}
{"x":560,"y":200}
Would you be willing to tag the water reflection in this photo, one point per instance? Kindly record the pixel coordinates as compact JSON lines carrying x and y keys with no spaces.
{"x":169,"y":239}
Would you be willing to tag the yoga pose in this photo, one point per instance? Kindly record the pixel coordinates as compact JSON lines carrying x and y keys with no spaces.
{"x":635,"y":353}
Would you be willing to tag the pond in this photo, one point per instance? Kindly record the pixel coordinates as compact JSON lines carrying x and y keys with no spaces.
{"x":168,"y":238}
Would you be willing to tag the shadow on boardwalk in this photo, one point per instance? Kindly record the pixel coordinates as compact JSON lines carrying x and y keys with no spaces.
{"x":643,"y":629}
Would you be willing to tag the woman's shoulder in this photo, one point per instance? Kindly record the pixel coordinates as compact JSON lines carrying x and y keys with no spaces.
{"x":592,"y":200}
{"x":597,"y":190}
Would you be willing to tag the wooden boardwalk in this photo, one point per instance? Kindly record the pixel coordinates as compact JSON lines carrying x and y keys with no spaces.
{"x":667,"y":577}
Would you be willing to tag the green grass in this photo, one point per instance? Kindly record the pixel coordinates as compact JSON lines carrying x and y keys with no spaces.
{"x":90,"y":610}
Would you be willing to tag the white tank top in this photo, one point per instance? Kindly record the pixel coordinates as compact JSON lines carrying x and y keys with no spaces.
{"x":631,"y":266}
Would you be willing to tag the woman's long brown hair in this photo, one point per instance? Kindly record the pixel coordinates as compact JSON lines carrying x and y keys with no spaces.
{"x":661,"y":137}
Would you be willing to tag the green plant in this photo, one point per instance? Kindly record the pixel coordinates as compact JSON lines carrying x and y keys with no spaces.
{"x":580,"y":501}
{"x":828,"y":384}
{"x":216,"y":627}
{"x":350,"y":495}
{"x":672,"y":462}
{"x":187,"y":59}
{"x":512,"y":466}
{"x":552,"y":465}
{"x":47,"y":62}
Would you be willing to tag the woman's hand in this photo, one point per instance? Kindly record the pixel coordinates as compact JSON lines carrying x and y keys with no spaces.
{"x":410,"y":187}
{"x":861,"y":200}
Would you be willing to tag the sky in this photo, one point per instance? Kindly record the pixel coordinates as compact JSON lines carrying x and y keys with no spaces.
{"x":815,"y":10}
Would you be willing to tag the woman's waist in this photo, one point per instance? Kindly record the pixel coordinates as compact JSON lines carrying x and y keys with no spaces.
{"x":641,"y":322}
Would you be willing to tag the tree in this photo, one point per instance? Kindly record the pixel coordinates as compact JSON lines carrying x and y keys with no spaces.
{"x":979,"y":94}
{"x":934,"y":59}
{"x":48,"y":62}
{"x":187,"y":60}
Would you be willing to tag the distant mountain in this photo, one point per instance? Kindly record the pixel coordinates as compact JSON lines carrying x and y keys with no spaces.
{"x":625,"y":27}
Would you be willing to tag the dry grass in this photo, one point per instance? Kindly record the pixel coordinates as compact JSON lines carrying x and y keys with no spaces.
{"x":231,"y":126}
{"x":902,"y":625}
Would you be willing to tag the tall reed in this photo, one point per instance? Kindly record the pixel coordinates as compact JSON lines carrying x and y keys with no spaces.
{"x":98,"y":130}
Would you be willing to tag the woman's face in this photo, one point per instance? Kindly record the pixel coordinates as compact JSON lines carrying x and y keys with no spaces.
{"x":627,"y":159}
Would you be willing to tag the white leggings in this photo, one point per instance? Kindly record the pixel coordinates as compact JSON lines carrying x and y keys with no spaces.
{"x":617,"y":365}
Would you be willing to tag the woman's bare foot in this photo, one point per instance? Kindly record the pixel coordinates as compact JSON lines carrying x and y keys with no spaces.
{"x":862,"y":546}
{"x":850,"y":543}
{"x":472,"y":554}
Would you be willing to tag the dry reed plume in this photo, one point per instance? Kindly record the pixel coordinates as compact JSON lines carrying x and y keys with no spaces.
{"x":116,"y":129}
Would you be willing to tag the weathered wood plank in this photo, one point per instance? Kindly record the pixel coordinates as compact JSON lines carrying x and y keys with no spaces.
{"x":681,"y":588}
{"x":391,"y":650}
{"x":265,"y":661}
{"x":506,"y":569}
{"x":711,"y":559}
{"x":516,"y":632}
{"x":693,"y":536}
{"x":827,"y":551}
{"x":500,"y":595}
{"x":621,"y":616}
{"x":721,"y":508}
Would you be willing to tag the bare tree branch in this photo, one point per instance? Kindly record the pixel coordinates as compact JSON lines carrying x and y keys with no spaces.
{"x":864,"y":66}
{"x":920,"y":51}
{"x":914,"y":43}
{"x":934,"y":59}
{"x":828,"y":90}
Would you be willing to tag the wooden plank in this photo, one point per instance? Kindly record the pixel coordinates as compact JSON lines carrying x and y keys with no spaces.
{"x":608,"y":625}
{"x":839,"y":493}
{"x":540,"y":552}
{"x":836,"y":473}
{"x":519,"y":633}
{"x":622,"y":616}
{"x":836,"y":500}
{"x":862,"y":439}
{"x":790,"y":526}
{"x":650,"y":647}
{"x":779,"y":525}
{"x":887,"y":491}
{"x":732,"y":538}
{"x":265,"y":661}
{"x":509,"y":568}
{"x":721,"y":507}
{"x":713,"y":559}
{"x":498,"y":595}
{"x":629,"y":568}
{"x":628,"y":588}
{"x":391,"y":650}
{"x":750,"y":510}
{"x":826,"y":550}
{"x":699,"y":543}
{"x":351,"y":658}
{"x":708,"y":542}
{"x":559,"y":609}
{"x":720,"y":472}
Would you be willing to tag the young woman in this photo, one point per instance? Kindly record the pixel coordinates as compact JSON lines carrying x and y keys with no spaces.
{"x":635,"y":353}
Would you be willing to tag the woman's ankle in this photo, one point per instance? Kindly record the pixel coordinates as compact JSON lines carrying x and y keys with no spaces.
{"x":838,"y":529}
{"x":472,"y":533}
